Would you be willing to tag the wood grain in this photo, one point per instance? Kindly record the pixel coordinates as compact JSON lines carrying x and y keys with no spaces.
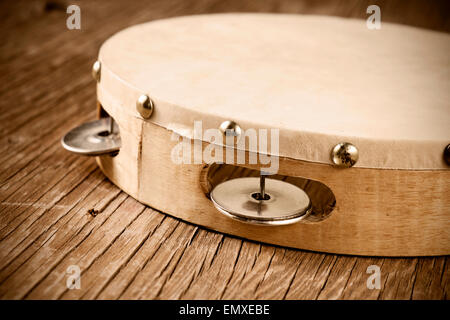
{"x":128,"y":250}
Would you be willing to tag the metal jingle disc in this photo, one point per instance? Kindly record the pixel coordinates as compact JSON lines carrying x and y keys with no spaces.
{"x":93,"y":138}
{"x":237,"y":198}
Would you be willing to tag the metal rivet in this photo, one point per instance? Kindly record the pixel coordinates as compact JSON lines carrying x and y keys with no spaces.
{"x":447,"y":154}
{"x":96,"y":68}
{"x":230,"y":128}
{"x":144,"y":106}
{"x":344,"y":154}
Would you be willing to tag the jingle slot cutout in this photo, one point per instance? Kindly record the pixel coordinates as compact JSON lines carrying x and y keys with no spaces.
{"x":305,"y":200}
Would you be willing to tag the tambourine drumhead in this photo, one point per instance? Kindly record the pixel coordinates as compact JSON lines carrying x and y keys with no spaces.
{"x":320,"y":80}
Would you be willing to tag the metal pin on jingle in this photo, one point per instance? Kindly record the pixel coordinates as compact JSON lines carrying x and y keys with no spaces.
{"x":262,"y":186}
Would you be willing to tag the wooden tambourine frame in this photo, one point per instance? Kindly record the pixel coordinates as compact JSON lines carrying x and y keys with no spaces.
{"x":376,"y":212}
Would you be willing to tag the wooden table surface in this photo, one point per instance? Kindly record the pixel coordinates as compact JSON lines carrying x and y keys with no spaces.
{"x":129,"y":250}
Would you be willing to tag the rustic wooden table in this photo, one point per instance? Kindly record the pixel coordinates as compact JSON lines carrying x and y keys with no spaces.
{"x":128,"y":250}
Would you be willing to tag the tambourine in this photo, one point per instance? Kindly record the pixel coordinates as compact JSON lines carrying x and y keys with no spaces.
{"x":300,"y":131}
